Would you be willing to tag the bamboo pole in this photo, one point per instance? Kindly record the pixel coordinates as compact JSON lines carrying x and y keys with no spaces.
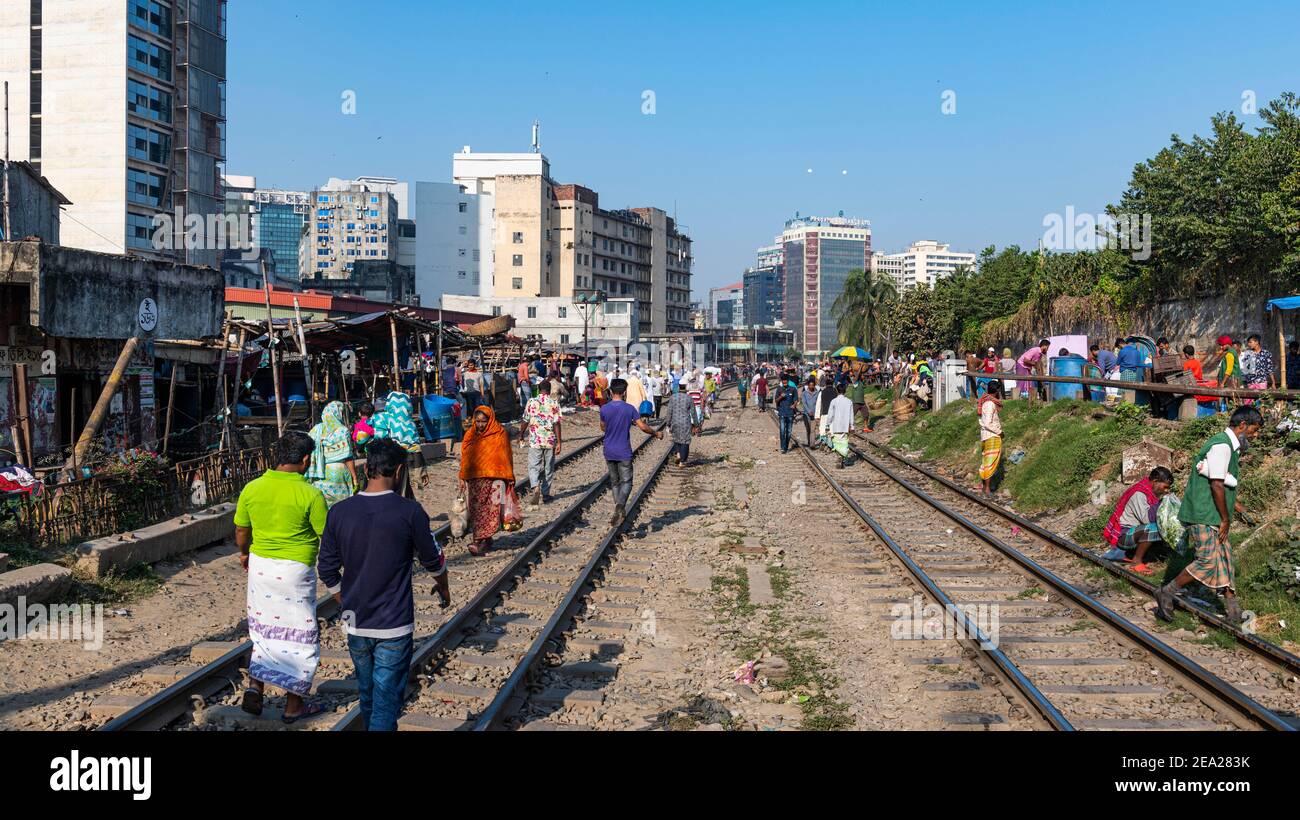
{"x":343,"y":384}
{"x":270,"y":347}
{"x":419,"y":348}
{"x":306,"y":363}
{"x":232,"y":398}
{"x":72,"y":425}
{"x":397,"y":368}
{"x":24,"y":414}
{"x":171,"y":402}
{"x":101,"y":405}
{"x":219,"y":397}
{"x":437,"y":373}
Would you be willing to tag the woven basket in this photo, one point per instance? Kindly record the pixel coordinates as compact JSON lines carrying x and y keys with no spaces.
{"x":904,"y":409}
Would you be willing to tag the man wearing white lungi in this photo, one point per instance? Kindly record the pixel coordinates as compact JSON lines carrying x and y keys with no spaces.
{"x":278,"y":523}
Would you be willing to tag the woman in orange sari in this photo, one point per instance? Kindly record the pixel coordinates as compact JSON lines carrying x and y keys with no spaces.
{"x":601,"y":384}
{"x":487,"y":474}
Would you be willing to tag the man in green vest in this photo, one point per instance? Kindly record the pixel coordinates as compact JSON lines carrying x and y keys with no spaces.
{"x":1206,"y":512}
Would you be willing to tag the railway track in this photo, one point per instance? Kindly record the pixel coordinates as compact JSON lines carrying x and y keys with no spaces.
{"x":1262,"y":669}
{"x":214,"y":668}
{"x":1067,"y":657}
{"x":533,"y":641}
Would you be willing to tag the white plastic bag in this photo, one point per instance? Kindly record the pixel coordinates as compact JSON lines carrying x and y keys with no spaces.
{"x":459,"y":518}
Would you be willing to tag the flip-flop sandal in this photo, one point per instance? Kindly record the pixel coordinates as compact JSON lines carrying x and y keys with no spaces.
{"x":252,"y":702}
{"x":1143,"y":569}
{"x":308,"y":710}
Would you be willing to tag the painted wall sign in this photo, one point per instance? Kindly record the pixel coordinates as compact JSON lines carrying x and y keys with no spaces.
{"x":147,"y":315}
{"x":20,"y":355}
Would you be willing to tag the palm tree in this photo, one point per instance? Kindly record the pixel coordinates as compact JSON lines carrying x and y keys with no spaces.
{"x":859,"y":310}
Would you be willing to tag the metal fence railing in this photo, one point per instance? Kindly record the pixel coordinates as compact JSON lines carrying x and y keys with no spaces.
{"x":113,"y":502}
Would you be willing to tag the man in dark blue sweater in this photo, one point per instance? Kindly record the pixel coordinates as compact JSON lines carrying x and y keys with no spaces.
{"x":373,"y":536}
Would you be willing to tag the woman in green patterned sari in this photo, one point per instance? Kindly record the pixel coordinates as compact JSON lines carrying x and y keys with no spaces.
{"x":332,"y":469}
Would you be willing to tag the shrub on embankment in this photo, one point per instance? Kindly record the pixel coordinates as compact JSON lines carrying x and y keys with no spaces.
{"x":1066,"y":444}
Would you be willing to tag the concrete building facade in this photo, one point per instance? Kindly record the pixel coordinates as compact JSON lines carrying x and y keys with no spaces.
{"x":33,"y":206}
{"x":539,"y":238}
{"x":121,"y":105}
{"x":764,"y":288}
{"x":556,"y":320}
{"x":924,"y":262}
{"x":448,"y":256}
{"x":819,"y":253}
{"x":348,"y":223}
{"x":727,"y":305}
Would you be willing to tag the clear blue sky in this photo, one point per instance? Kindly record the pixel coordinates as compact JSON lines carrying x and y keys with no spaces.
{"x":1055,"y":103}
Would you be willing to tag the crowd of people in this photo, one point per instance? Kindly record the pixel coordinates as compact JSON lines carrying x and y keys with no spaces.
{"x":317,"y":510}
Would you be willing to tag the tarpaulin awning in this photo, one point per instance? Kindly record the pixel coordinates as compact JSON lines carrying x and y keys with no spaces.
{"x":1284,"y":303}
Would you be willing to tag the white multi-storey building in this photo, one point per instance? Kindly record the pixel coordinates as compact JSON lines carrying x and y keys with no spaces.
{"x":727,"y":305}
{"x":924,"y":262}
{"x":121,"y":104}
{"x":448,"y":233}
{"x":525,"y":181}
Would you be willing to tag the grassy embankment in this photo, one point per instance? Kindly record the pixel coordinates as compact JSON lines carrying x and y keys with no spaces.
{"x":1068,"y":446}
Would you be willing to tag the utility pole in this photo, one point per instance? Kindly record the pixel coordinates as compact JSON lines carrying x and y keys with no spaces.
{"x":8,"y":237}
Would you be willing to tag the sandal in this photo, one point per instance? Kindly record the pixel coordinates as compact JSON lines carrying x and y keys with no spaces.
{"x":308,"y":710}
{"x":252,"y":702}
{"x":1143,"y":569}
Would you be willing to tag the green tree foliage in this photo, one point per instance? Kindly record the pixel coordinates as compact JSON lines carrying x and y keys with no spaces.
{"x":1225,"y":208}
{"x":860,"y":310}
{"x":919,"y":321}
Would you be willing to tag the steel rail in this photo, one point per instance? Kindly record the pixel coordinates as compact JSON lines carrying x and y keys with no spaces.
{"x":1274,"y":652}
{"x":163,"y":707}
{"x":1032,"y":695}
{"x":1214,"y":688}
{"x":427,"y":650}
{"x":495,"y":713}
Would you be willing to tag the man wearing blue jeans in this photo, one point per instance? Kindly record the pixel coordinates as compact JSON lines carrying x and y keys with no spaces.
{"x":373,"y":536}
{"x":616,"y":420}
{"x":786,"y":397}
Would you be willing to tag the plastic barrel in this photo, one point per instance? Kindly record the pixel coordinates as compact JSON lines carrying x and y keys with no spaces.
{"x":1066,"y":366}
{"x":440,"y":419}
{"x":1097,"y":394}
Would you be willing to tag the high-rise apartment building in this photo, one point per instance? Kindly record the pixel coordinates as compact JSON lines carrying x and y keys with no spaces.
{"x":539,"y":238}
{"x":121,"y":104}
{"x":924,"y":262}
{"x":523,"y":181}
{"x":764,"y":295}
{"x":268,"y":219}
{"x":448,"y":254}
{"x":278,"y":224}
{"x":818,"y":254}
{"x":727,"y":305}
{"x":348,"y":223}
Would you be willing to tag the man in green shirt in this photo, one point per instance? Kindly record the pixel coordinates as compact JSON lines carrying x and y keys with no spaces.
{"x":858,"y":394}
{"x":278,"y":524}
{"x":1206,"y":513}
